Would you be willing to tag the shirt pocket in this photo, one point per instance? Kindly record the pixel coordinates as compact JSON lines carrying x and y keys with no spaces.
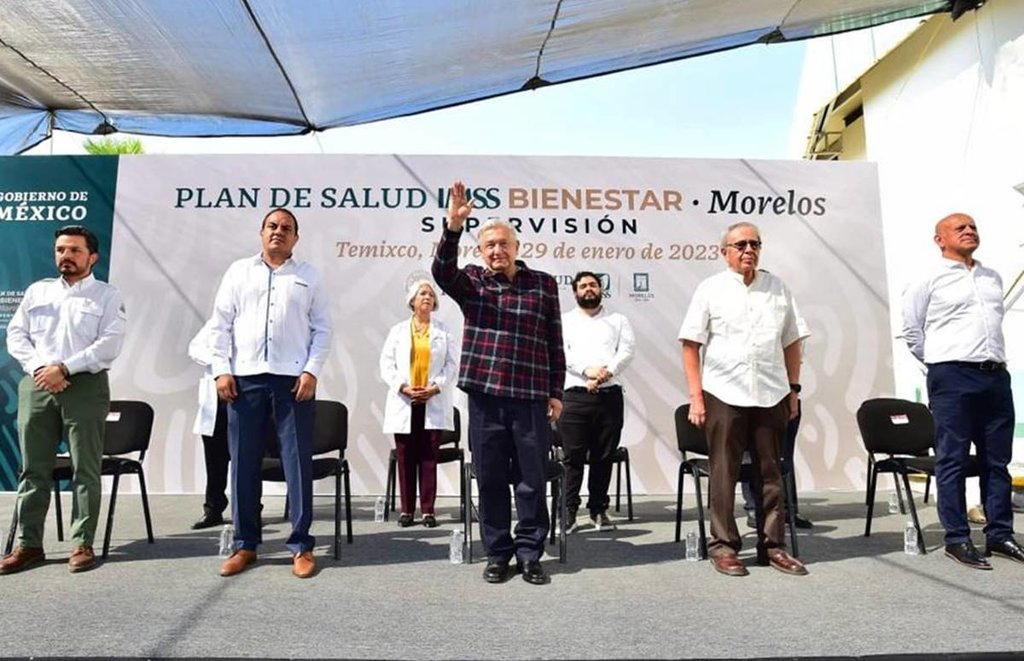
{"x":42,"y":317}
{"x":771,"y":321}
{"x":727,"y":316}
{"x":299,"y":297}
{"x":85,"y":319}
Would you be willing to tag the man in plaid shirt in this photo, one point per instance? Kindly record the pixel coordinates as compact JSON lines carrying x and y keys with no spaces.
{"x":513,"y":369}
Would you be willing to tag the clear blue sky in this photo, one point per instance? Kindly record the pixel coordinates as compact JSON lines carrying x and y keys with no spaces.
{"x":738,"y":103}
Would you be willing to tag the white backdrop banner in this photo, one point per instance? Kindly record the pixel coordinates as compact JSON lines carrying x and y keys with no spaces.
{"x":651,"y":227}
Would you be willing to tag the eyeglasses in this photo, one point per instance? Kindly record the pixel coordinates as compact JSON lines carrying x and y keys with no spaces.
{"x":743,"y":245}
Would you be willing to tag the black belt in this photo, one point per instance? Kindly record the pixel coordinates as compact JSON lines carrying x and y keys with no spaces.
{"x":600,"y":391}
{"x":984,"y":366}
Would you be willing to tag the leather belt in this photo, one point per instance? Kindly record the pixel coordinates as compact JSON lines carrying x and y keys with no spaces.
{"x":984,"y":366}
{"x":600,"y":391}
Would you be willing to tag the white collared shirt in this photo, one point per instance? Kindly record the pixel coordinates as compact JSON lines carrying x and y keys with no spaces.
{"x":270,"y":321}
{"x":955,"y":313}
{"x":604,"y":339}
{"x":81,"y":325}
{"x":743,"y":330}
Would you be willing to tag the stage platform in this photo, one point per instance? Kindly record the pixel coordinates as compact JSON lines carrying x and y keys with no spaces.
{"x":628,"y":593}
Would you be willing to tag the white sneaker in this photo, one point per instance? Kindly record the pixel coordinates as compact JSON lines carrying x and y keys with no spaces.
{"x":601,"y":522}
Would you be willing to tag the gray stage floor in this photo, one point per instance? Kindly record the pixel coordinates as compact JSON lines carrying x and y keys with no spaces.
{"x":622,"y":594}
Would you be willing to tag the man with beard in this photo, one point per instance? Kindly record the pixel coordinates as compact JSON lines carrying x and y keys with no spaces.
{"x":598,"y":346}
{"x":65,"y":333}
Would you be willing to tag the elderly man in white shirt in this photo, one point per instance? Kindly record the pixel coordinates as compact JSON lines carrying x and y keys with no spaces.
{"x":952,"y":322}
{"x":598,"y":346}
{"x":65,"y":333}
{"x":271,"y":334}
{"x":745,"y":323}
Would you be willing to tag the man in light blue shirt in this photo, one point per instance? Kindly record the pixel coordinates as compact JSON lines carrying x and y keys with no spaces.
{"x":271,"y":332}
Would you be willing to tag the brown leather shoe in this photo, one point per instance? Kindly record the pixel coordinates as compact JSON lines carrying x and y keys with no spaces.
{"x":82,"y":559}
{"x":729,"y":564}
{"x":786,"y":563}
{"x":21,"y":558}
{"x":237,"y":563}
{"x":304,"y":564}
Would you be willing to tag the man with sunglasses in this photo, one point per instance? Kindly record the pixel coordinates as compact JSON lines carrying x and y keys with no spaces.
{"x":741,"y":354}
{"x":953,"y":323}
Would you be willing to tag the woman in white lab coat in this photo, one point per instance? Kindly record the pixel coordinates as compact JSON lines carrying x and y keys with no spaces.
{"x":419,"y":364}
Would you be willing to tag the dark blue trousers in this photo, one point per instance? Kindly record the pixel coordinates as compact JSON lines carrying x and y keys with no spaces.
{"x":260,"y":397}
{"x":971,"y":405}
{"x":511,"y":440}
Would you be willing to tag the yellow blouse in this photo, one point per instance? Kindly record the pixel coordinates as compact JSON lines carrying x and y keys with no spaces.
{"x":419,"y":367}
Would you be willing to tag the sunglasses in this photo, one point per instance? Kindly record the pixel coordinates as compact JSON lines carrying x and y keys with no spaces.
{"x":743,"y":245}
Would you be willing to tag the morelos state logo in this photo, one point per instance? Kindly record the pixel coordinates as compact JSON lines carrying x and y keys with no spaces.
{"x":641,"y":287}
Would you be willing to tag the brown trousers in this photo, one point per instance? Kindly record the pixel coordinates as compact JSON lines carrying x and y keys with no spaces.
{"x":731,"y":431}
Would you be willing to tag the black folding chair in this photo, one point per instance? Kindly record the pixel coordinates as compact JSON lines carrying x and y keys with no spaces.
{"x":128,"y":429}
{"x":693,"y":445}
{"x":904,"y":432}
{"x":330,"y":434}
{"x":619,"y":457}
{"x":450,"y":450}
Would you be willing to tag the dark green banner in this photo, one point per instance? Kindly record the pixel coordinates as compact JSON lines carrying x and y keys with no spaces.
{"x":37,"y":196}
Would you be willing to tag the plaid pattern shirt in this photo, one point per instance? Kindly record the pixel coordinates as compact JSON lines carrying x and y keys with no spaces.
{"x":512,"y":337}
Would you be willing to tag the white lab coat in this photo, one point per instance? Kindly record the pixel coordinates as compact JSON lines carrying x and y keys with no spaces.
{"x":200,"y":349}
{"x":395,"y":360}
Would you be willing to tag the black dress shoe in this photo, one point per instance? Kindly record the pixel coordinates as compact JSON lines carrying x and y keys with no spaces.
{"x":405,"y":520}
{"x":429,"y":521}
{"x":802,"y":522}
{"x":498,"y":571}
{"x":533,"y":572}
{"x":209,"y":520}
{"x":1008,"y":548}
{"x":967,"y":555}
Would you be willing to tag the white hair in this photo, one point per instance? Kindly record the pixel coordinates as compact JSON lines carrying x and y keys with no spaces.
{"x":414,"y":289}
{"x":494,"y":223}
{"x":736,"y":226}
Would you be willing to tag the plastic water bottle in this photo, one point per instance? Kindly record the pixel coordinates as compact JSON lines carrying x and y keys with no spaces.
{"x":692,"y":552}
{"x":910,"y":539}
{"x":226,"y":542}
{"x":455,"y":544}
{"x":378,"y":510}
{"x":894,"y":503}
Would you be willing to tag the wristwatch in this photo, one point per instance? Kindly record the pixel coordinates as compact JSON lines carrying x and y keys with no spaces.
{"x":795,"y":387}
